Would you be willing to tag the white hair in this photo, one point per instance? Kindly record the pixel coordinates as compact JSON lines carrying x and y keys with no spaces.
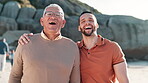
{"x":54,"y":5}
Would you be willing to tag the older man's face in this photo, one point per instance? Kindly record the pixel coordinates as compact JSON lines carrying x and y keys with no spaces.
{"x":88,"y":24}
{"x":53,"y":20}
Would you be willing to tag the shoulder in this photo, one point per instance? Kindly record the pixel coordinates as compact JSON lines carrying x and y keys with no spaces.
{"x":68,"y":41}
{"x":110,"y":42}
{"x":33,"y":40}
{"x":2,"y":43}
{"x":19,"y":48}
{"x":35,"y":36}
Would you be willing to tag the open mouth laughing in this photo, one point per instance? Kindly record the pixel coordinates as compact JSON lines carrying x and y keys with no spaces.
{"x":52,"y":23}
{"x":87,"y":28}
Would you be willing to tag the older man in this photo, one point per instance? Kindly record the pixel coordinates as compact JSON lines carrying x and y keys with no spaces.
{"x":49,"y":57}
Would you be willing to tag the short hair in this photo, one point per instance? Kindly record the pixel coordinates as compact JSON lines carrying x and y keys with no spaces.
{"x":82,"y":14}
{"x":53,"y":5}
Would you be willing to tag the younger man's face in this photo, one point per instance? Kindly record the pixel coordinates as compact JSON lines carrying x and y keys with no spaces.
{"x":88,"y":24}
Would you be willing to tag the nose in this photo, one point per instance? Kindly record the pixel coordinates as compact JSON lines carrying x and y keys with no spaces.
{"x":87,"y":22}
{"x":52,"y":17}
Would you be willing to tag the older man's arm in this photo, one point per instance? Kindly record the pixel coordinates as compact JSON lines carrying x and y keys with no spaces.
{"x":75,"y":74}
{"x":17,"y":69}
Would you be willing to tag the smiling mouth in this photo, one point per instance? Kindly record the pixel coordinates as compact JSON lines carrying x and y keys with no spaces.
{"x":52,"y":23}
{"x":87,"y":28}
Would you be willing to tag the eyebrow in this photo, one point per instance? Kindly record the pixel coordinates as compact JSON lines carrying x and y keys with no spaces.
{"x":84,"y":18}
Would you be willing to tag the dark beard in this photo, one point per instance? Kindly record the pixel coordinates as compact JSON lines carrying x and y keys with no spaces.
{"x":86,"y":34}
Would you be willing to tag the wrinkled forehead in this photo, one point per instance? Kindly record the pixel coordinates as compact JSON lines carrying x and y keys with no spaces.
{"x":54,"y":9}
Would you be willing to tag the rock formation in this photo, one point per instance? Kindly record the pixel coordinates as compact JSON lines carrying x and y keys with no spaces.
{"x":130,"y":32}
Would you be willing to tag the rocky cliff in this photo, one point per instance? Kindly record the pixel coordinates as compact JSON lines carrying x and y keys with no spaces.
{"x":130,"y":32}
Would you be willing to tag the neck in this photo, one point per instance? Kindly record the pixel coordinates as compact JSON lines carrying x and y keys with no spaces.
{"x":51,"y":36}
{"x":90,"y":41}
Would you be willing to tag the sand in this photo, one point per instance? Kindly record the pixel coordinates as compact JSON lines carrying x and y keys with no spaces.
{"x":137,"y":71}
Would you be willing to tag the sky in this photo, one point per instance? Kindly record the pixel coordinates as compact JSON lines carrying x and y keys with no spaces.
{"x":135,"y":8}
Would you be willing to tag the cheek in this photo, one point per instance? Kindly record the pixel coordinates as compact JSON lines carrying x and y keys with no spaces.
{"x":82,"y":26}
{"x":61,"y":23}
{"x":43,"y":21}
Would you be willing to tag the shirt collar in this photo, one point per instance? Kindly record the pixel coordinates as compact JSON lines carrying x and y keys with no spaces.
{"x":99,"y":42}
{"x":45,"y":37}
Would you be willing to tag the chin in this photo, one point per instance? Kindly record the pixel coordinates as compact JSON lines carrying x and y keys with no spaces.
{"x":87,"y":34}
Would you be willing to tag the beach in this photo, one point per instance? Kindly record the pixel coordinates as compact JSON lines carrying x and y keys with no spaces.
{"x":4,"y":75}
{"x":137,"y":71}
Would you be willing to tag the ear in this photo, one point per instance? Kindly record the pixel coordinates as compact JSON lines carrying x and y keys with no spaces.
{"x":64,"y":22}
{"x":79,"y":28}
{"x":41,"y":21}
{"x":97,"y":25}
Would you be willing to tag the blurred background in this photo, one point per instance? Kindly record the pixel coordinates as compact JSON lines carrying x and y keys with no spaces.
{"x":121,"y":7}
{"x":123,"y":21}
